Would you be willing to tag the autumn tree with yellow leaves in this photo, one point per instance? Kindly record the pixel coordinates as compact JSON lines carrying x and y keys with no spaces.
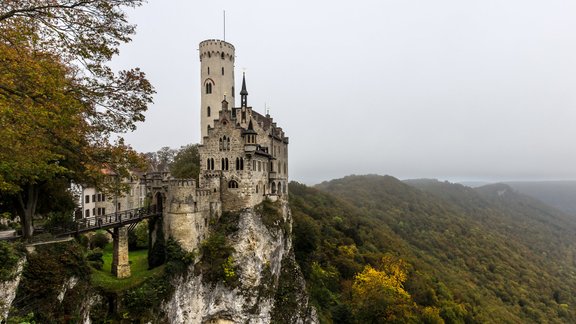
{"x":60,"y":104}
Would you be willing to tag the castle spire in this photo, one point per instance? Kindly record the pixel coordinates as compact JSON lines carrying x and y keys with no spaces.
{"x":244,"y":92}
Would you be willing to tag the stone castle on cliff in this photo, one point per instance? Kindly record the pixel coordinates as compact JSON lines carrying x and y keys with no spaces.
{"x":243,"y":155}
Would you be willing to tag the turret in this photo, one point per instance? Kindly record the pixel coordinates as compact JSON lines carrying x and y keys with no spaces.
{"x":244,"y":93}
{"x":216,"y":80}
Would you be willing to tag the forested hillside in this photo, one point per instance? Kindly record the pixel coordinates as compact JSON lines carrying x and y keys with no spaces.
{"x":558,"y":194}
{"x":375,"y":249}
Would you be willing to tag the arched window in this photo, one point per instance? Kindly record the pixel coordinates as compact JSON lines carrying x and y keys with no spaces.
{"x":208,"y":88}
{"x":228,"y":143}
{"x":211,"y":164}
{"x":208,"y":164}
{"x":226,"y":160}
{"x":220,"y":144}
{"x":222,"y":165}
{"x":208,"y":111}
{"x":279,"y":187}
{"x":273,"y":187}
{"x":233,"y":184}
{"x":237,"y":164}
{"x":224,"y":145}
{"x":241,"y":163}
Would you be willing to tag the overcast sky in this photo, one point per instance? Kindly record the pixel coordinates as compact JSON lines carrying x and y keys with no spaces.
{"x":448,"y":89}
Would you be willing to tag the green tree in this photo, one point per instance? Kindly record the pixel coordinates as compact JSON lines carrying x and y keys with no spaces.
{"x":59,"y":102}
{"x":186,"y":162}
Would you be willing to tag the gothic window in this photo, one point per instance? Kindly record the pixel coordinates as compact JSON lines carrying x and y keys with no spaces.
{"x":208,"y":111}
{"x":226,"y":160}
{"x":224,"y":147}
{"x":233,"y":184}
{"x":222,"y":165}
{"x":220,"y":144}
{"x":212,"y":163}
{"x":228,"y":143}
{"x":208,"y":164}
{"x":237,"y":164}
{"x":241,"y":163}
{"x":208,"y":88}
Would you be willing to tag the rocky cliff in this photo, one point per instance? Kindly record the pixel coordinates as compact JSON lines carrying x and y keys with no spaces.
{"x":262,"y":282}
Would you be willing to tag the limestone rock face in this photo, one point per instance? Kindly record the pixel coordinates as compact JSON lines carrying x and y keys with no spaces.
{"x":8,"y":290}
{"x":263,"y":257}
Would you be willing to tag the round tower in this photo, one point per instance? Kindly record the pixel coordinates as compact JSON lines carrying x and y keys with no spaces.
{"x":216,"y":80}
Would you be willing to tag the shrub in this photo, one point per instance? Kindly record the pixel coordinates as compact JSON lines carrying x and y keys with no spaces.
{"x":138,"y":238}
{"x":10,"y":254}
{"x":99,"y":240}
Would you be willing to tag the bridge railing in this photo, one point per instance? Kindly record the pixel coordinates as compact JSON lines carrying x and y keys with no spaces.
{"x":109,"y":220}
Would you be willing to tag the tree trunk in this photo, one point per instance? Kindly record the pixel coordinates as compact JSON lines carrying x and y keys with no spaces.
{"x":27,"y":200}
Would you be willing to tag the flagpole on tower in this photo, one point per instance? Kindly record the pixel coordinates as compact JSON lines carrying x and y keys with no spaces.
{"x":224,"y":25}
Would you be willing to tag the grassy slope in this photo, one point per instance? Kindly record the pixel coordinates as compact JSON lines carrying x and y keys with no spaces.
{"x":138,"y":267}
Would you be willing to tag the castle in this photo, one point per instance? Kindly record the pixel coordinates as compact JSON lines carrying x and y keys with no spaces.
{"x":243,"y":155}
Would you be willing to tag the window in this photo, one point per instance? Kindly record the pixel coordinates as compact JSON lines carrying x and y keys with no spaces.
{"x":208,"y":111}
{"x":208,"y":70}
{"x":93,"y":198}
{"x":103,"y":211}
{"x":273,"y":188}
{"x":233,"y":184}
{"x":222,"y":70}
{"x":93,"y":211}
{"x":87,"y":212}
{"x":237,"y":164}
{"x":253,"y":165}
{"x":241,"y":163}
{"x":232,"y":91}
{"x":103,"y":197}
{"x":208,"y":88}
{"x":222,"y":57}
{"x":87,"y":200}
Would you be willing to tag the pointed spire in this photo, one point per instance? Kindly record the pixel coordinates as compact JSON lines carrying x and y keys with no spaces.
{"x":244,"y":92}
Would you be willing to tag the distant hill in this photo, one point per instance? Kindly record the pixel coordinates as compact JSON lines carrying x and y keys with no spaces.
{"x":488,"y":254}
{"x":558,"y":194}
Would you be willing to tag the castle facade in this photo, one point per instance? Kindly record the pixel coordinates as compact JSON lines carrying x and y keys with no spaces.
{"x":243,"y":156}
